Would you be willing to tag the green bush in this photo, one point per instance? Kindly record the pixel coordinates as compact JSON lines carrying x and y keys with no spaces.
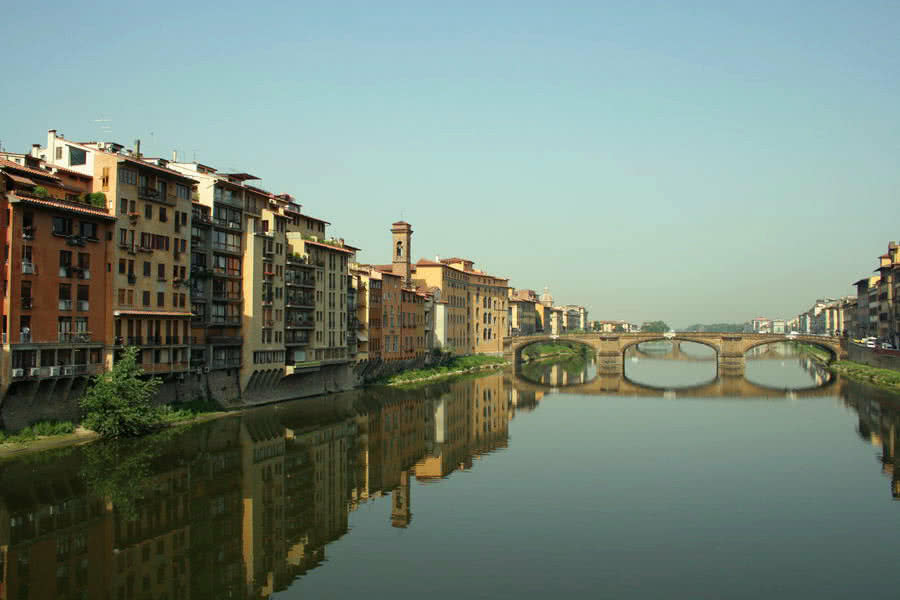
{"x":119,"y":403}
{"x":40,"y":191}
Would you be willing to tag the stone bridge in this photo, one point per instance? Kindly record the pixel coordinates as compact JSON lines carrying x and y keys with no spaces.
{"x":730,"y":348}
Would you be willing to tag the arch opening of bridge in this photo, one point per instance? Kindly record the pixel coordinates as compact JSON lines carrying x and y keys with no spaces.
{"x":550,"y":340}
{"x":832,"y":355}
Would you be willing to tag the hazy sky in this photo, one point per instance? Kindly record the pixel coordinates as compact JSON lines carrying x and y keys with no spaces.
{"x":685,"y":161}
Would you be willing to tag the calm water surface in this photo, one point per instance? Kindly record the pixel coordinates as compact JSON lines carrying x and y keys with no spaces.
{"x":553,"y":481}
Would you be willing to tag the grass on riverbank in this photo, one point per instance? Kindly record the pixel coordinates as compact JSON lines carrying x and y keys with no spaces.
{"x":184,"y":411}
{"x":37,"y":430}
{"x":814,"y":351}
{"x":455,"y":365}
{"x":883,"y":378}
{"x":171,"y":414}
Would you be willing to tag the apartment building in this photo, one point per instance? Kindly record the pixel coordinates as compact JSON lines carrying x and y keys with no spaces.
{"x":150,"y":249}
{"x":218,"y":238}
{"x":55,"y":303}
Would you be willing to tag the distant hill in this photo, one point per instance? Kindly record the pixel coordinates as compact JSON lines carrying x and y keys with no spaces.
{"x":717,"y":327}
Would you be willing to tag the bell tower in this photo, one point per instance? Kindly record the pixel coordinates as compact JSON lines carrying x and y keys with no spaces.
{"x":401,"y":233}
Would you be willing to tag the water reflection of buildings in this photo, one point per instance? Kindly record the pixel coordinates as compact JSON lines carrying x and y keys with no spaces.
{"x":879,"y":425}
{"x":235,"y":508}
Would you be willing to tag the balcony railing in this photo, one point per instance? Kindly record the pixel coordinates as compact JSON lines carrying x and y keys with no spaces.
{"x":65,"y":305}
{"x":299,"y":324}
{"x":75,"y":337}
{"x":225,"y":340}
{"x":226,"y":363}
{"x":28,"y":268}
{"x":199,"y":218}
{"x":84,"y":305}
{"x":229,"y":321}
{"x":27,"y":303}
{"x":148,"y":193}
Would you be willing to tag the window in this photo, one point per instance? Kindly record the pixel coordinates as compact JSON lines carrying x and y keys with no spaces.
{"x":161,"y":272}
{"x":123,"y":206}
{"x":65,"y":258}
{"x":146,"y":269}
{"x":183,"y":193}
{"x":127,"y":176}
{"x":160,"y":298}
{"x":148,"y":210}
{"x":89,"y":230}
{"x":77,"y":156}
{"x":163,"y":216}
{"x":62,"y":226}
{"x":146,"y":299}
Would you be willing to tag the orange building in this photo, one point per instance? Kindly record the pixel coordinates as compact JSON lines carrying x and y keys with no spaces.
{"x":391,"y":306}
{"x":55,"y":304}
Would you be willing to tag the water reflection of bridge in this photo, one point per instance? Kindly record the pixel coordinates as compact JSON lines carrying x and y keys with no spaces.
{"x":673,"y":351}
{"x":620,"y":385}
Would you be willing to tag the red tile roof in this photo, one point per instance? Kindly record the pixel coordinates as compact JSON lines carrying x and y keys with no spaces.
{"x":11,"y":165}
{"x":167,"y":171}
{"x":329,"y":246}
{"x":84,"y":209}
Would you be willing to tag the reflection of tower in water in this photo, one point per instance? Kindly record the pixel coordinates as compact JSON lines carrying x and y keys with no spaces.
{"x":401,"y":514}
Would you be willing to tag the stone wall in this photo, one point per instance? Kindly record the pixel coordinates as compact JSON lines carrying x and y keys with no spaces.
{"x":874,"y":357}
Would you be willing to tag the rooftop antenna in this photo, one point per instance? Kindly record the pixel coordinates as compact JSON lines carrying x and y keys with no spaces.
{"x":105,"y":126}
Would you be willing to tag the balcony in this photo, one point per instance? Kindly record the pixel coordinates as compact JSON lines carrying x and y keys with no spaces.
{"x":147,"y":193}
{"x":200,"y":271}
{"x":27,"y":303}
{"x":298,"y":339}
{"x":267,"y":299}
{"x":165,"y":367}
{"x":28,"y":268}
{"x":225,"y":363}
{"x":132,"y":279}
{"x":225,"y":340}
{"x":299,"y":324}
{"x":198,"y":243}
{"x":65,"y":305}
{"x":28,"y":232}
{"x":65,"y":271}
{"x":229,"y":248}
{"x":174,"y":340}
{"x":82,"y":273}
{"x":153,"y":340}
{"x":133,"y":216}
{"x":198,"y":218}
{"x":83,"y":305}
{"x":75,"y":337}
{"x":299,"y":302}
{"x":225,"y":321}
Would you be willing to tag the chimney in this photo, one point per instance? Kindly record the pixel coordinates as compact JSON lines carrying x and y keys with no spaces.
{"x":36,"y":150}
{"x":137,"y":148}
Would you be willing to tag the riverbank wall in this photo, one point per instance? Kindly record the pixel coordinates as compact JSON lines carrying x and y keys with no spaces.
{"x":874,"y":357}
{"x":58,"y":399}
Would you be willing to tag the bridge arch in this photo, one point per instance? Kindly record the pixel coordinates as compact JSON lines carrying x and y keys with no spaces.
{"x":550,"y":340}
{"x":633,"y":343}
{"x":810,"y":340}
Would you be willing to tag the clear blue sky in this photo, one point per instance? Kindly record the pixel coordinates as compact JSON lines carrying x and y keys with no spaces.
{"x":685,"y":161}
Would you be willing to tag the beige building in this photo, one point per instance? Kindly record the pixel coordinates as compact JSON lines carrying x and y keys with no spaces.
{"x":523,"y":311}
{"x":150,"y":250}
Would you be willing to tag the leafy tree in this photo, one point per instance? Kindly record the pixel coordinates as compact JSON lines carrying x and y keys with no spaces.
{"x":655,"y":327}
{"x":120,"y":403}
{"x":97,"y":199}
{"x":40,"y":191}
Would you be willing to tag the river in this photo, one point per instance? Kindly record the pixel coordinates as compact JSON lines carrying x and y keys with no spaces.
{"x":551,"y":480}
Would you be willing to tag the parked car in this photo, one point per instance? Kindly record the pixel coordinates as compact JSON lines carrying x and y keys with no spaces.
{"x":870,"y":344}
{"x":887,"y":346}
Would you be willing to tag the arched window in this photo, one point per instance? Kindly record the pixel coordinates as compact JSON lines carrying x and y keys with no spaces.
{"x":399,"y":248}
